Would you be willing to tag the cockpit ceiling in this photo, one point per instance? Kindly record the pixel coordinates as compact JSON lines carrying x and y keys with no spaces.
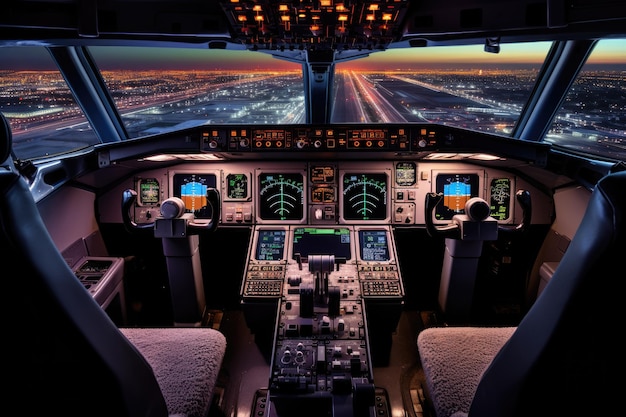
{"x":292,"y":25}
{"x":316,"y":25}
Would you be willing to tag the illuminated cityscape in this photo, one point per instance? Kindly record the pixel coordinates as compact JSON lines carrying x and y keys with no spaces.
{"x":41,"y":107}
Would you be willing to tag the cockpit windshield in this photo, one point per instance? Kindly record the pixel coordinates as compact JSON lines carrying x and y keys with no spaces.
{"x":164,"y":89}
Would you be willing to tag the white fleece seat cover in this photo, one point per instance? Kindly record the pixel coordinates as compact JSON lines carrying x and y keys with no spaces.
{"x":454,"y":359}
{"x":186,"y":363}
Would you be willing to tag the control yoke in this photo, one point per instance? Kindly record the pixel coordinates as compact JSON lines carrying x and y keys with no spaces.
{"x":523,"y":198}
{"x":179,"y":232}
{"x":476,"y":210}
{"x":464,"y":238}
{"x":173,"y":211}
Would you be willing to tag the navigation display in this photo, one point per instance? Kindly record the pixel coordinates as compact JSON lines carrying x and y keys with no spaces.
{"x":321,"y":241}
{"x":192,"y":189}
{"x":364,"y":196}
{"x":270,"y":245}
{"x":456,"y":189}
{"x":281,"y":196}
{"x":373,"y":245}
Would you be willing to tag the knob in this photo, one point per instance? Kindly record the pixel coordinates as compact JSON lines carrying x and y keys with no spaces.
{"x":422,"y":143}
{"x":286,"y":356}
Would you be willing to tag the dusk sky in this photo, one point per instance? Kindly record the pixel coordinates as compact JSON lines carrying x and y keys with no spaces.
{"x":111,"y":58}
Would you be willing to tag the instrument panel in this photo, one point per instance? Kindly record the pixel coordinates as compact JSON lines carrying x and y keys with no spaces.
{"x":325,"y":193}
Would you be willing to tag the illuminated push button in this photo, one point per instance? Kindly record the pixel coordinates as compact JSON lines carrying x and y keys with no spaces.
{"x":337,"y":351}
{"x":341,"y":326}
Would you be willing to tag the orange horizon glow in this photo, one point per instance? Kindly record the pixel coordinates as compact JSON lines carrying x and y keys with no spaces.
{"x":609,"y":52}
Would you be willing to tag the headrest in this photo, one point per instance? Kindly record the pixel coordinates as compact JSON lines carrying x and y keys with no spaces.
{"x":6,"y":139}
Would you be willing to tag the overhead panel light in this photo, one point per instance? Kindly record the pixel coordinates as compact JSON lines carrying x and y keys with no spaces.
{"x":320,"y":24}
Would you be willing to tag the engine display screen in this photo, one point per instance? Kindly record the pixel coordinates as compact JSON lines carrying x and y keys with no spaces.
{"x":237,"y":186}
{"x":456,"y":189}
{"x":373,"y":245}
{"x":149,"y":191}
{"x":321,"y":241}
{"x":192,"y":189}
{"x":364,"y":196}
{"x":270,"y":245}
{"x":500,"y":196}
{"x":406,"y":173}
{"x":281,"y":196}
